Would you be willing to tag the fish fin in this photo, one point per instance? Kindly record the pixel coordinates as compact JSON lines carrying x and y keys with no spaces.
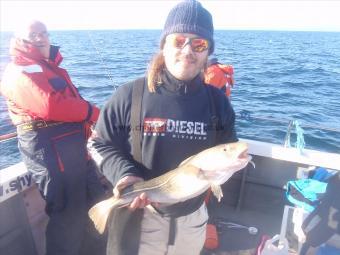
{"x":217,"y":191}
{"x":100,"y":212}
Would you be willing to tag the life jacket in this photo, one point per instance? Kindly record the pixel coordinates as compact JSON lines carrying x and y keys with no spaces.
{"x":38,"y":89}
{"x":220,"y":76}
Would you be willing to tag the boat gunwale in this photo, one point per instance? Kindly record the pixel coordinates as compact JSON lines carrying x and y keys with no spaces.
{"x":16,"y":178}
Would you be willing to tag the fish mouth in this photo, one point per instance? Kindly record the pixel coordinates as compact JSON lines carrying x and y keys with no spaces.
{"x":243,"y":154}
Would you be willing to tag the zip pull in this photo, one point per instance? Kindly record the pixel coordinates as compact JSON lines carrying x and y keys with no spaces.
{"x":185,"y":88}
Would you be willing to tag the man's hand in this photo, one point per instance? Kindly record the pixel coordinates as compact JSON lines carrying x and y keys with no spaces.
{"x":139,"y":202}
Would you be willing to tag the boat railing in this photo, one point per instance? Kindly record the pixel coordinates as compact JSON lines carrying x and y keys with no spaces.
{"x":16,"y":178}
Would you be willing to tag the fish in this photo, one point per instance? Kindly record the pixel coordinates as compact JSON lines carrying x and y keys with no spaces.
{"x":208,"y":169}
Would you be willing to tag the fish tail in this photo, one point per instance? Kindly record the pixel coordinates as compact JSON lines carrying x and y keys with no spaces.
{"x":100,"y":212}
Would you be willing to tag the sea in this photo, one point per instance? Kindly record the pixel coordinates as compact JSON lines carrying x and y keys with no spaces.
{"x":281,"y":78}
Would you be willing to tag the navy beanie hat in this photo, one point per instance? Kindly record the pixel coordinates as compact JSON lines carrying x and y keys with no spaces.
{"x":189,"y":17}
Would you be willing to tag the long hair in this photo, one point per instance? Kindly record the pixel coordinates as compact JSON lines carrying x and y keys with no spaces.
{"x":156,"y":66}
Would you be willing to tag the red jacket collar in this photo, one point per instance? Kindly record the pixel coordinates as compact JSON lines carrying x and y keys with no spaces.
{"x":23,"y":53}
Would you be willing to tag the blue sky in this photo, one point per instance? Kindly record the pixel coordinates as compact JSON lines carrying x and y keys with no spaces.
{"x":112,"y":14}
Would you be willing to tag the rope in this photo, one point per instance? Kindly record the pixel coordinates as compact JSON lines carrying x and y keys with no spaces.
{"x":287,"y":138}
{"x":300,"y":141}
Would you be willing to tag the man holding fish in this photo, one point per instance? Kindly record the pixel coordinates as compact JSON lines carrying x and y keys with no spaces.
{"x":179,"y":117}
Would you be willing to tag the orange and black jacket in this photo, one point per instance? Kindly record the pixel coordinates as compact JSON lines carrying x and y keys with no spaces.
{"x":38,"y":89}
{"x":218,"y":75}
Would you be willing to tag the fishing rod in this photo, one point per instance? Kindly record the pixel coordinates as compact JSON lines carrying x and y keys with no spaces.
{"x":7,"y":137}
{"x":106,"y":68}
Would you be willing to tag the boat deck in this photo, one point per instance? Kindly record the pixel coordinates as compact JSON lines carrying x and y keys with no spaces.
{"x":252,"y":198}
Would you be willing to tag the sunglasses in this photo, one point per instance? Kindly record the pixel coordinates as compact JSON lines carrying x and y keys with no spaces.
{"x":197,"y":44}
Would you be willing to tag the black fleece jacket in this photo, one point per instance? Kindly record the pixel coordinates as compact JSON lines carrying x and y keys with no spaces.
{"x":176,"y":123}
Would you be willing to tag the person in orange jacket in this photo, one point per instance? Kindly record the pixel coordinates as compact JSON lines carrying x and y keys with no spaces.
{"x":53,"y":123}
{"x":220,"y":76}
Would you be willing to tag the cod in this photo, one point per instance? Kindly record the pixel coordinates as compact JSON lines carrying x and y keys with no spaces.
{"x":208,"y":169}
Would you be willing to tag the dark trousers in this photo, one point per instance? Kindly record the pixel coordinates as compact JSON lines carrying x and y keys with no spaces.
{"x":57,"y":158}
